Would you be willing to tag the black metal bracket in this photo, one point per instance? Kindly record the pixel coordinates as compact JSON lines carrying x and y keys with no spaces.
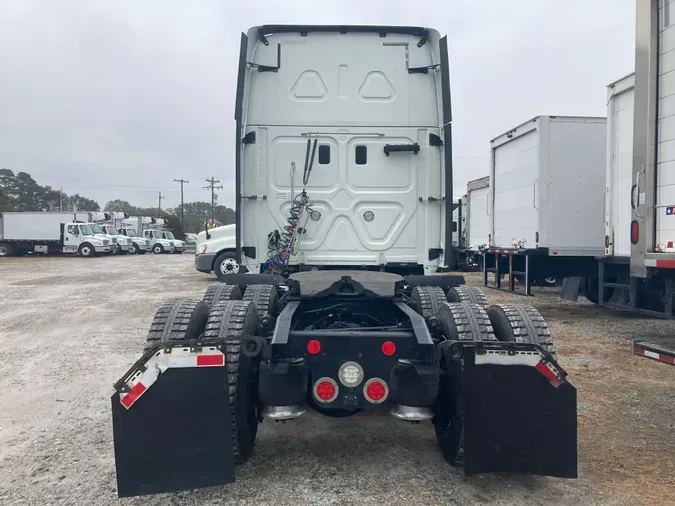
{"x":268,"y":68}
{"x":249,"y":138}
{"x":393,"y":148}
{"x":435,"y":140}
{"x":254,"y":197}
{"x":431,"y":199}
{"x":423,"y":70}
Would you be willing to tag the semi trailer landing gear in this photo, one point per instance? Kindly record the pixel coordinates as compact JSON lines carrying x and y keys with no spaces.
{"x":485,"y":378}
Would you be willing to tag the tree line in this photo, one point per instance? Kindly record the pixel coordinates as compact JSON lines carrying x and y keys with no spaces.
{"x":20,"y":192}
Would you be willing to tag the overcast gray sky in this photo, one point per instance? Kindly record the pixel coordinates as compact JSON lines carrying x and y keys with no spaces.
{"x":116,"y":98}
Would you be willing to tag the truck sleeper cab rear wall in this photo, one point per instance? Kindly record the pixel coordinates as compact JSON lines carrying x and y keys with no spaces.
{"x":381,"y":180}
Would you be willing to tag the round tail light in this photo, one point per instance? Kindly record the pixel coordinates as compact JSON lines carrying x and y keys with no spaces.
{"x":325,"y":390}
{"x":376,"y":390}
{"x":313,"y":347}
{"x":388,"y":348}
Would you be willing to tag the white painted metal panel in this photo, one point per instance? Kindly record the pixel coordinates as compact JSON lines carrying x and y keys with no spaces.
{"x":36,"y":226}
{"x":478,"y":218}
{"x":515,"y":174}
{"x":619,"y":166}
{"x":575,"y":186}
{"x":665,"y":179}
{"x":352,"y":90}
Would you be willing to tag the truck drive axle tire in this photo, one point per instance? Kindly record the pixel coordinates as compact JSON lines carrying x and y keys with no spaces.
{"x":5,"y":250}
{"x":470,"y":294}
{"x":265,"y":300}
{"x":458,"y":321}
{"x":220,"y":293}
{"x":178,"y":320}
{"x":521,"y":324}
{"x":231,"y":319}
{"x":428,"y":299}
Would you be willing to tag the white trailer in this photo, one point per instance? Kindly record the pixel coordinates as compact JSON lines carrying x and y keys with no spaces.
{"x":546,"y":208}
{"x":49,"y":232}
{"x":638,"y":271}
{"x":475,"y":224}
{"x":342,"y":165}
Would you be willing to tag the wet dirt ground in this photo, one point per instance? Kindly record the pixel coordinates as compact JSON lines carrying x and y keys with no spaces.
{"x":70,"y":327}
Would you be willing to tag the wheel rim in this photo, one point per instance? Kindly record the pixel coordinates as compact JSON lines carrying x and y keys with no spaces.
{"x":229,"y":266}
{"x":3,"y":251}
{"x":86,"y":251}
{"x":157,"y":250}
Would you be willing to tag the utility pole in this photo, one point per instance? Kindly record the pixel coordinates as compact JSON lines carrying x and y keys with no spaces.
{"x":212,"y":186}
{"x":159,"y":205}
{"x":61,"y":195}
{"x":182,"y":211}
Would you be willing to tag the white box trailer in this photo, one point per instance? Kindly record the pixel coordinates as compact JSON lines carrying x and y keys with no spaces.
{"x":49,"y":232}
{"x":475,"y":224}
{"x":363,"y":137}
{"x":639,"y":271}
{"x":547,"y":181}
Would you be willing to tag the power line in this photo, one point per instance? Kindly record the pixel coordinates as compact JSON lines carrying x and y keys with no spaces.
{"x":182,"y":204}
{"x":212,"y":186}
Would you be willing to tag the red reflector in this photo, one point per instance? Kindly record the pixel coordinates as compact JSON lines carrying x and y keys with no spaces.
{"x":313,"y":347}
{"x":325,"y":390}
{"x":375,"y":391}
{"x":536,"y":237}
{"x":388,"y":348}
{"x":634,"y":232}
{"x":210,"y":360}
{"x":133,"y":395}
{"x":670,"y":244}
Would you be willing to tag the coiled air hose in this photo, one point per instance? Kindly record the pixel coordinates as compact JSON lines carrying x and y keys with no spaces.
{"x":281,"y":246}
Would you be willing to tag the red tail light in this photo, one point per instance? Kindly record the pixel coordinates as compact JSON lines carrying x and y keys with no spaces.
{"x":634,"y":232}
{"x":536,"y":237}
{"x":388,"y":348}
{"x":326,"y":390}
{"x":313,"y":347}
{"x":375,"y":390}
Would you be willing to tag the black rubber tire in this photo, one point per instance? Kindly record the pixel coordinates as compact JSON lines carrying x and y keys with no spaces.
{"x":266,"y":302}
{"x":458,"y":321}
{"x":470,"y":294}
{"x":232,"y":319}
{"x":86,"y":250}
{"x":590,"y":289}
{"x":521,"y":324}
{"x":6,"y":250}
{"x":221,"y":293}
{"x":178,"y":320}
{"x":141,"y":252}
{"x":134,"y":249}
{"x":428,"y":299}
{"x":157,"y":249}
{"x":222,"y":277}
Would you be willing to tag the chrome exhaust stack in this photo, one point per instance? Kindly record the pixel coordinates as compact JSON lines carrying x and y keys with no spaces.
{"x":283,"y":412}
{"x":412,"y":413}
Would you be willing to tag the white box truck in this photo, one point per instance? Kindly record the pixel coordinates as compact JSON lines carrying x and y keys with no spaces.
{"x":475,"y":229}
{"x":49,"y":232}
{"x":546,"y":208}
{"x":638,"y":271}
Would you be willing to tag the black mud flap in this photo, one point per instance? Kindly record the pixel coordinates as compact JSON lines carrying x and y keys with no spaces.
{"x":515,"y":420}
{"x":176,"y":436}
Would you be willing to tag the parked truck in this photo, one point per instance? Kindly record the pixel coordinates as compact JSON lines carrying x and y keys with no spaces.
{"x":370,"y":105}
{"x":49,"y":233}
{"x":547,"y":179}
{"x":637,"y":271}
{"x":475,"y":224}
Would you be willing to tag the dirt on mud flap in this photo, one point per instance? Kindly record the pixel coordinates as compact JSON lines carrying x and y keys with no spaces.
{"x":170,"y":417}
{"x":519,"y":411}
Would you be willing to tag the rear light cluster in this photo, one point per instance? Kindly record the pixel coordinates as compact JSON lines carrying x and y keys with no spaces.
{"x":376,"y":390}
{"x":326,"y":390}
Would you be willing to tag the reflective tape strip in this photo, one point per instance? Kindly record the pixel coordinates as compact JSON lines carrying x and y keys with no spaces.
{"x":176,"y":358}
{"x":526,"y":358}
{"x":661,"y":357}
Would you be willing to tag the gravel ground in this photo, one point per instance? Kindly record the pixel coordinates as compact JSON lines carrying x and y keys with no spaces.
{"x":70,"y":327}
